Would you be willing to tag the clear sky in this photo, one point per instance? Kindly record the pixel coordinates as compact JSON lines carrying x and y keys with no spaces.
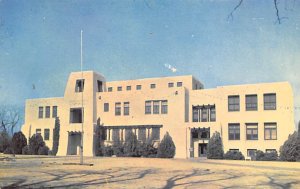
{"x":40,"y":43}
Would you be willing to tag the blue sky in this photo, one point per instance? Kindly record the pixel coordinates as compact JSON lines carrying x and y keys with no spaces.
{"x":40,"y":43}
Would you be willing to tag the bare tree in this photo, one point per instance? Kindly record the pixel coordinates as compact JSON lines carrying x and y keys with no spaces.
{"x":9,"y":118}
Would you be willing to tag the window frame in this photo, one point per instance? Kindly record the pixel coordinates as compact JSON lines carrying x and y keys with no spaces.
{"x":152,"y":86}
{"x":106,"y":107}
{"x":204,"y":114}
{"x":164,"y":107}
{"x":233,"y":104}
{"x":119,"y":88}
{"x":47,"y":111}
{"x":48,"y":132}
{"x":179,"y":84}
{"x":79,"y":89}
{"x":211,"y":118}
{"x":148,"y":107}
{"x":41,"y":112}
{"x":109,"y":89}
{"x":54,"y":111}
{"x":138,"y":87}
{"x":270,"y":130}
{"x":234,"y":127}
{"x":126,"y":107}
{"x":118,"y":108}
{"x":268,"y":104}
{"x":251,"y":129}
{"x":128,"y":88}
{"x":194,"y":112}
{"x":251,"y":106}
{"x":156,"y":106}
{"x":81,"y":117}
{"x":170,"y":84}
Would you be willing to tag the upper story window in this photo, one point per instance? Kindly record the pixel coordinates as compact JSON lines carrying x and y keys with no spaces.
{"x":54,"y":111}
{"x":252,"y":131}
{"x":126,"y":108}
{"x":152,"y":86}
{"x":204,"y":115}
{"x":179,"y":84}
{"x":100,"y":86}
{"x":119,"y":88}
{"x":156,"y":107}
{"x":138,"y":87}
{"x":106,"y":107}
{"x":148,"y":107}
{"x":233,"y":103}
{"x":79,"y":85}
{"x":46,"y":134}
{"x":195,"y":115}
{"x":128,"y":88}
{"x":41,"y":112}
{"x":213,"y":114}
{"x":118,"y":108}
{"x":47,"y":115}
{"x":270,"y":131}
{"x":251,"y":102}
{"x":164,"y":107}
{"x":109,"y":89}
{"x":233,"y":131}
{"x":170,"y":85}
{"x":76,"y":115}
{"x":270,"y":101}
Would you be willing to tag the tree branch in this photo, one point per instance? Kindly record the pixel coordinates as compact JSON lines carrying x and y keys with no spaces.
{"x":230,"y":16}
{"x":279,"y":19}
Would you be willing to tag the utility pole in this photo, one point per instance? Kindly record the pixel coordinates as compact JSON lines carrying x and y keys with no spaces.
{"x":82,"y":111}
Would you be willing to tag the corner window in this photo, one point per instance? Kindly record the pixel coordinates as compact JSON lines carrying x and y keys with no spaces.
{"x":164,"y":107}
{"x":126,"y":108}
{"x":54,"y":111}
{"x":251,"y":102}
{"x":118,"y":108}
{"x":170,"y":85}
{"x":148,"y":107}
{"x":47,"y":112}
{"x":128,"y":88}
{"x":46,"y":134}
{"x":119,"y":88}
{"x":270,"y":101}
{"x":76,"y":115}
{"x":155,"y":107}
{"x":79,"y":85}
{"x":252,"y":131}
{"x":179,"y":84}
{"x":152,"y":86}
{"x":106,"y":107}
{"x":233,"y":103}
{"x":41,"y":112}
{"x":109,"y":89}
{"x":270,"y":131}
{"x":100,"y":86}
{"x":233,"y":131}
{"x":138,"y":87}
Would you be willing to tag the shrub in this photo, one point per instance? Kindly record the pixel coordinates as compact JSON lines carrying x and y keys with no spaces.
{"x":26,"y":150}
{"x":118,"y":149}
{"x":35,"y":142}
{"x":131,"y":145}
{"x":234,"y":155}
{"x":43,"y":150}
{"x":290,"y":150}
{"x":147,"y":150}
{"x":8,"y":150}
{"x":56,"y":136}
{"x":261,"y":156}
{"x":107,"y":151}
{"x":215,"y":147}
{"x":18,"y":142}
{"x":166,"y":148}
{"x":5,"y":141}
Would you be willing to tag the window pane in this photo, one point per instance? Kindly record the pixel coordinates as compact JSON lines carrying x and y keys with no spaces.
{"x":126,"y":108}
{"x":195,"y":114}
{"x":46,"y":134}
{"x":164,"y":107}
{"x":41,"y":109}
{"x":155,"y":107}
{"x":106,"y":107}
{"x":233,"y":103}
{"x":118,"y":108}
{"x":47,"y":112}
{"x":54,"y":111}
{"x":79,"y":85}
{"x":148,"y":107}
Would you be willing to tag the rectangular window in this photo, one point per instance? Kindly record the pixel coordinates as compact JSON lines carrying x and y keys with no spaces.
{"x":152,"y":86}
{"x":155,"y":133}
{"x":119,"y":88}
{"x":270,"y":101}
{"x":271,"y":150}
{"x":213,"y":114}
{"x":128,"y":88}
{"x":251,"y":102}
{"x":148,"y":107}
{"x":164,"y":106}
{"x":79,"y":85}
{"x":270,"y":131}
{"x":106,"y":107}
{"x":138,"y":87}
{"x":234,"y":150}
{"x":46,"y":134}
{"x":142,"y":134}
{"x":109,"y":89}
{"x":233,"y":131}
{"x":38,"y":131}
{"x":76,"y":115}
{"x":252,"y":131}
{"x":47,"y":112}
{"x":251,"y":152}
{"x":204,"y":115}
{"x":41,"y":112}
{"x":156,"y":107}
{"x":170,"y":85}
{"x":233,"y":103}
{"x":195,"y":114}
{"x":100,"y":86}
{"x":126,"y":108}
{"x":54,"y":111}
{"x":179,"y":84}
{"x":118,"y":108}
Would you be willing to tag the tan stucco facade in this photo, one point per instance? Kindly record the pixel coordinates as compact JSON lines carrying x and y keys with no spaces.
{"x":170,"y":103}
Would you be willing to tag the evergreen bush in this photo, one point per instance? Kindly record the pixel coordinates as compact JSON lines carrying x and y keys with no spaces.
{"x":18,"y":142}
{"x":131,"y":145}
{"x":290,"y":150}
{"x":166,"y":148}
{"x":56,"y":131}
{"x":26,"y":150}
{"x":36,"y":142}
{"x":215,"y":147}
{"x":5,"y":141}
{"x":44,"y":150}
{"x":234,"y":155}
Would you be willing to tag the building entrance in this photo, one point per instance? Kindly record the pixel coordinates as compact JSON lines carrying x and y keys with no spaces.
{"x":202,"y":150}
{"x":74,"y":140}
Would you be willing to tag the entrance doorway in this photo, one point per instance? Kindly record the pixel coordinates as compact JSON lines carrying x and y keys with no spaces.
{"x":74,"y":140}
{"x":202,"y":150}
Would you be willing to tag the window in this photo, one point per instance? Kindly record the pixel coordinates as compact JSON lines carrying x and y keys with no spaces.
{"x":213,"y":114}
{"x":128,"y":88}
{"x":119,"y":88}
{"x":118,"y":108}
{"x":195,"y":114}
{"x":100,"y":86}
{"x":106,"y":107}
{"x":142,"y":134}
{"x":152,"y":86}
{"x":270,"y":101}
{"x":156,"y":107}
{"x":148,"y":107}
{"x":79,"y":85}
{"x":138,"y":87}
{"x":234,"y":150}
{"x":164,"y":107}
{"x":41,"y":112}
{"x":251,"y":152}
{"x":54,"y":111}
{"x":46,"y":134}
{"x":204,"y":114}
{"x":271,"y":150}
{"x":109,"y":89}
{"x":233,"y":103}
{"x":252,"y":131}
{"x":251,"y":102}
{"x":170,"y":85}
{"x":38,"y":131}
{"x":47,"y":112}
{"x":270,"y":131}
{"x":126,"y":108}
{"x":234,"y":131}
{"x":179,"y":84}
{"x":155,"y":133}
{"x":76,"y":115}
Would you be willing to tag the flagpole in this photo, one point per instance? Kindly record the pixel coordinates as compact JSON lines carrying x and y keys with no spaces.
{"x":82,"y":111}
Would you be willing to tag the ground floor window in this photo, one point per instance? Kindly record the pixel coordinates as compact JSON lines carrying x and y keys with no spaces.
{"x":234,"y":150}
{"x":251,"y":152}
{"x":46,"y":134}
{"x":234,"y":131}
{"x":270,"y":131}
{"x":271,"y":150}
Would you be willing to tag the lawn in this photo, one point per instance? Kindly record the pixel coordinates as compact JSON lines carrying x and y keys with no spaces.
{"x":51,"y":172}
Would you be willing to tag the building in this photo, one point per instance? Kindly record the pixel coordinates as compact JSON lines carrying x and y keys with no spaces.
{"x":248,"y":117}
